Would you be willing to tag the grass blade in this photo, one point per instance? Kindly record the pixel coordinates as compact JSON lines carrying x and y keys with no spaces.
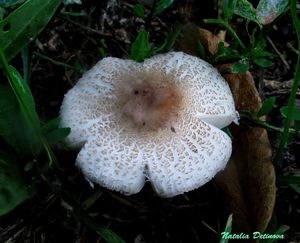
{"x":25,"y":100}
{"x":227,"y":229}
{"x":295,"y":179}
{"x":24,"y":24}
{"x":292,"y":98}
{"x":103,"y":231}
{"x":161,"y":6}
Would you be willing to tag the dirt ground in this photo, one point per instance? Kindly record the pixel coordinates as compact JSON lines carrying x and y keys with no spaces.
{"x":107,"y":29}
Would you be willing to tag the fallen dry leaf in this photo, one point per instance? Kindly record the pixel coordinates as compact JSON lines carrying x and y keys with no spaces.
{"x":192,"y":34}
{"x":248,"y":182}
{"x":250,"y":165}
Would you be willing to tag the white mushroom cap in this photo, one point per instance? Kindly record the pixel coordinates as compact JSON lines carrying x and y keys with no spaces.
{"x":159,"y":120}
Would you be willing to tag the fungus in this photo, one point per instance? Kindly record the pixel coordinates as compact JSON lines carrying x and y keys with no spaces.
{"x":159,"y":120}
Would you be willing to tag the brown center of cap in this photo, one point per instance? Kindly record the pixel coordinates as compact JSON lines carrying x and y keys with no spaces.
{"x":149,"y":102}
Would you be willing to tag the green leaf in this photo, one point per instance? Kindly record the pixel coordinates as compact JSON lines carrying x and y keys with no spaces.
{"x":139,"y":11}
{"x":262,"y":62}
{"x":23,"y":94}
{"x":268,"y":10}
{"x":53,"y":133}
{"x":201,"y":50}
{"x":272,"y":226}
{"x":9,"y":3}
{"x":267,"y":106}
{"x":228,"y":7}
{"x":2,"y":12}
{"x":296,"y":188}
{"x":51,"y":125}
{"x":227,"y":229}
{"x":227,"y":50}
{"x":162,"y":5}
{"x":27,"y":107}
{"x":92,"y":200}
{"x":225,"y":54}
{"x":25,"y":100}
{"x":245,"y":9}
{"x":294,"y":179}
{"x":26,"y":58}
{"x":282,"y":229}
{"x":227,"y":131}
{"x":140,"y":48}
{"x":29,"y":165}
{"x":260,"y":54}
{"x":169,"y":41}
{"x":13,"y":189}
{"x":241,"y":66}
{"x":57,"y":135}
{"x":24,"y":24}
{"x":258,"y":44}
{"x":295,"y":115}
{"x":13,"y":126}
{"x":173,"y":36}
{"x":104,"y":232}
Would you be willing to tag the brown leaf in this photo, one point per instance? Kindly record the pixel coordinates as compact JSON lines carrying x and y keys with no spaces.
{"x":248,"y":182}
{"x":192,"y":34}
{"x":251,"y":163}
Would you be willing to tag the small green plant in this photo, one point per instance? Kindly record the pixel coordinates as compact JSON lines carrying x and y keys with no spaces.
{"x":241,"y":55}
{"x":28,"y":139}
{"x":24,"y":24}
{"x":141,"y":47}
{"x":290,"y":113}
{"x":157,"y":8}
{"x":20,"y":125}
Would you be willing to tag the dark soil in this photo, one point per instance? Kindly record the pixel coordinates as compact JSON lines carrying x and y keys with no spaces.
{"x":197,"y":216}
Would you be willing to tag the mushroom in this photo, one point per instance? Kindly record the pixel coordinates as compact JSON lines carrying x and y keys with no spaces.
{"x":159,"y":120}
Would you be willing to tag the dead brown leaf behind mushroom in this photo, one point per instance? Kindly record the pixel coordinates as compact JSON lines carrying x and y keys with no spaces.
{"x":248,"y":182}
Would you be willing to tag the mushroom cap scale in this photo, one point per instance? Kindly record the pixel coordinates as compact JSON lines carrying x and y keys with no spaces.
{"x":170,"y":132}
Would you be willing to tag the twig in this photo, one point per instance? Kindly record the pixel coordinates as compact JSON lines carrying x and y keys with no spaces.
{"x":87,"y":28}
{"x":289,"y":45}
{"x":62,"y":64}
{"x":278,"y":53}
{"x":209,"y":227}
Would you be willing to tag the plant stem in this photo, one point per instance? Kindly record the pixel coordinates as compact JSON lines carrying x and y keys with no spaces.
{"x":256,"y":121}
{"x":292,"y":98}
{"x":228,"y":27}
{"x":62,"y":64}
{"x":150,"y":16}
